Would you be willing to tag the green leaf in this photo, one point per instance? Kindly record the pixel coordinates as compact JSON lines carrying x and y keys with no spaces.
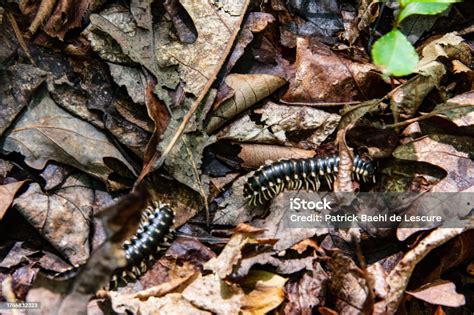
{"x":403,"y":3}
{"x":425,"y":8}
{"x":394,"y":53}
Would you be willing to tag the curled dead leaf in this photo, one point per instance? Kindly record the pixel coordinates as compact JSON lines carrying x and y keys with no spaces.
{"x":256,"y":155}
{"x":248,"y":90}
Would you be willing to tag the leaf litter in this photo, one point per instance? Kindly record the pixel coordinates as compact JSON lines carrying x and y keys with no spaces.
{"x":106,"y":106}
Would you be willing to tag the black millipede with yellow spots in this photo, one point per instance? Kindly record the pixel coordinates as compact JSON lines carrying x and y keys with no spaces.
{"x":152,"y":236}
{"x":270,"y":180}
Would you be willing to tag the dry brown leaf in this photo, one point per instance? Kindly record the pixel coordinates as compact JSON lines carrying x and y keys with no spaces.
{"x":221,"y":297}
{"x":184,"y":201}
{"x":304,"y":245}
{"x":276,"y":222}
{"x":47,"y":132}
{"x":185,"y":255}
{"x":300,"y":126}
{"x":452,"y":153}
{"x":351,"y":114}
{"x":185,"y":159}
{"x":234,"y":209}
{"x":184,"y":275}
{"x":327,"y":311}
{"x":17,"y":255}
{"x":462,"y":116}
{"x":72,"y":296}
{"x":451,"y":46}
{"x":307,"y":292}
{"x":256,"y":155}
{"x":409,"y":96}
{"x":255,"y":22}
{"x":266,"y":292}
{"x":322,"y":74}
{"x":247,"y":228}
{"x":68,"y":15}
{"x":343,"y":182}
{"x":347,"y":285}
{"x":171,"y":304}
{"x":17,"y":84}
{"x":441,"y":292}
{"x":62,"y":217}
{"x":283,"y":266}
{"x":7,"y":194}
{"x":224,"y":264}
{"x":399,"y":276}
{"x":174,"y":64}
{"x":248,"y":90}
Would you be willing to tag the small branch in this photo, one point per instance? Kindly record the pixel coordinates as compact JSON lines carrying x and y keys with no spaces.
{"x":426,"y":116}
{"x":19,"y":37}
{"x":318,"y":104}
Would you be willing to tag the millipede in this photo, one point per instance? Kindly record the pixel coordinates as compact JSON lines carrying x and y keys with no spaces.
{"x":268,"y":181}
{"x":152,"y":236}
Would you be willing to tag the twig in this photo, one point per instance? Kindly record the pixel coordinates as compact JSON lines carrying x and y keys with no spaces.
{"x":316,"y":104}
{"x":426,"y":116}
{"x":19,"y":37}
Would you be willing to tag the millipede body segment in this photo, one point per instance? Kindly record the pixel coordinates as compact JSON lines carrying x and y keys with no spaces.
{"x":268,"y":181}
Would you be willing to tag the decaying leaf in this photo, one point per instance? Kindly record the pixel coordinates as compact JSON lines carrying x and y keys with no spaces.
{"x":301,"y":126}
{"x":17,"y":255}
{"x":69,"y":15}
{"x":7,"y":194}
{"x":185,"y":158}
{"x":451,"y":153}
{"x":47,"y":132}
{"x":307,"y":292}
{"x":451,"y":46}
{"x":463,"y":112}
{"x":441,"y":292}
{"x":399,"y":276}
{"x":411,"y":94}
{"x":348,"y":285}
{"x":248,"y":90}
{"x":408,"y":97}
{"x":63,"y":217}
{"x":318,"y":19}
{"x":17,"y":83}
{"x":321,"y":75}
{"x":254,"y":23}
